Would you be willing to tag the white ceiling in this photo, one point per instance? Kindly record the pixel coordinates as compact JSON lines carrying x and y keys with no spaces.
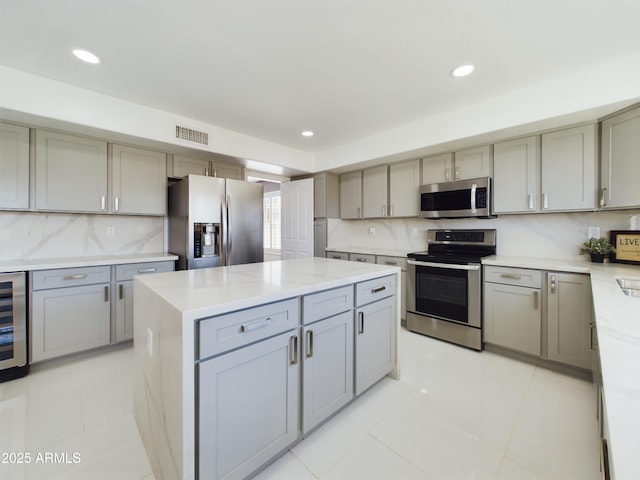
{"x":346,"y":69}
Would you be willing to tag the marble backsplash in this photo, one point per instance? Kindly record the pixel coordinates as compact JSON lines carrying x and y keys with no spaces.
{"x":546,"y":235}
{"x":36,"y":235}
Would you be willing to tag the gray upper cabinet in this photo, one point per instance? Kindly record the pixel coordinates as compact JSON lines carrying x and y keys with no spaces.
{"x":473,"y":163}
{"x":620,"y":166}
{"x":326,"y":195}
{"x":14,"y":167}
{"x":375,"y":185}
{"x":71,"y":173}
{"x":139,"y":181}
{"x":569,"y":169}
{"x":351,"y":195}
{"x":516,"y":176}
{"x":180,"y":166}
{"x":404,"y":183}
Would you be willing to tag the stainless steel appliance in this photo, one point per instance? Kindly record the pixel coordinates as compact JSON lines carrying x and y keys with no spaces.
{"x":13,"y":326}
{"x":459,"y":199}
{"x":444,"y":285}
{"x":215,"y":222}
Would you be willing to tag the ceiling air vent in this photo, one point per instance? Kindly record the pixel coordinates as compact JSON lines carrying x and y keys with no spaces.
{"x":191,"y":135}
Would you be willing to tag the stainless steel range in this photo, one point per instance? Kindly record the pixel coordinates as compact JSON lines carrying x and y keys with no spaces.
{"x":444,"y":285}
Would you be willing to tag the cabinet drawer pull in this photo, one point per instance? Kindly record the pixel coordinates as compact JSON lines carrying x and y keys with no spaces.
{"x":121,"y":291}
{"x":309,"y":343}
{"x":106,"y":294}
{"x":391,"y":263}
{"x":511,"y":276}
{"x":535,"y":299}
{"x":146,"y":270}
{"x":379,"y":289}
{"x":293,"y":348}
{"x":256,"y":325}
{"x":337,"y":257}
{"x":361,"y":322}
{"x":74,"y":277}
{"x":360,"y":259}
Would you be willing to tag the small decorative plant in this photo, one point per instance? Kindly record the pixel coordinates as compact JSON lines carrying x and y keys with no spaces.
{"x":597,"y":248}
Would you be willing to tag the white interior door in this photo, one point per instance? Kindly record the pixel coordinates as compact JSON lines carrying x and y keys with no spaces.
{"x":297,"y":218}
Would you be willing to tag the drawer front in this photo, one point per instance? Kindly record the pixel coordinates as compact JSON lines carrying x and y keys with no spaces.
{"x":392,"y":261}
{"x":376,"y":289}
{"x":361,"y":257}
{"x":70,"y":277}
{"x":227,"y":332}
{"x":523,"y":277}
{"x":338,"y":255}
{"x":127,"y":272}
{"x":326,"y":304}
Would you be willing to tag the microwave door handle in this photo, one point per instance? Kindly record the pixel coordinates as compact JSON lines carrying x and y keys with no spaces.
{"x":473,"y":198}
{"x":447,"y":266}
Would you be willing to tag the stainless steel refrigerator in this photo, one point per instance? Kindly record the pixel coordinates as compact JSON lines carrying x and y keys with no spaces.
{"x":215,"y":222}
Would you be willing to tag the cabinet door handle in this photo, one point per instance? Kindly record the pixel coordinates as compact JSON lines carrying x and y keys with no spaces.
{"x":457,"y":173}
{"x":536,"y":299}
{"x":74,"y":277}
{"x":106,"y":294}
{"x":603,"y":202}
{"x":591,"y":344}
{"x":379,"y":289}
{"x":103,"y":202}
{"x":530,"y":200}
{"x":215,"y":172}
{"x":391,"y":211}
{"x":206,"y":171}
{"x":146,"y":270}
{"x":384,"y":210}
{"x":552,"y":279}
{"x":309,"y":343}
{"x":293,"y":348}
{"x":255,"y":325}
{"x":361,"y":322}
{"x":116,"y":204}
{"x":545,"y":200}
{"x":121,"y":291}
{"x":358,"y":213}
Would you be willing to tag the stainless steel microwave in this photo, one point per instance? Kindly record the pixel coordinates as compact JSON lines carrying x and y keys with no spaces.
{"x":459,"y":199}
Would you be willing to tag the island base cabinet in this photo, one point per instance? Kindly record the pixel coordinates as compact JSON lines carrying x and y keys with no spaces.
{"x":248,"y":407}
{"x":375,"y":333}
{"x":69,"y":320}
{"x":512,"y":317}
{"x":327,"y":368}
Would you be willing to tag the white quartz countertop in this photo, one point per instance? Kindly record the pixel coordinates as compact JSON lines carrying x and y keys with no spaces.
{"x":213,"y":291}
{"x":26,"y":265}
{"x":371,"y":251}
{"x":618,"y":327}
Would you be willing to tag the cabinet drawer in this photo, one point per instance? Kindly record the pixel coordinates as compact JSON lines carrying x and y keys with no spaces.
{"x":338,"y":255}
{"x":326,"y":304}
{"x":392,"y":261}
{"x":372,"y":290}
{"x":227,"y":332}
{"x":513,"y":276}
{"x":70,"y":277}
{"x":361,"y":257}
{"x":127,"y":272}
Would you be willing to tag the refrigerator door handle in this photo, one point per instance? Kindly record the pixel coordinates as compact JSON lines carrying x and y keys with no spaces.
{"x":229,"y":232}
{"x":224,"y":234}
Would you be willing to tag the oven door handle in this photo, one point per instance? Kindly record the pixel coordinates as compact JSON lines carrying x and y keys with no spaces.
{"x":447,"y":266}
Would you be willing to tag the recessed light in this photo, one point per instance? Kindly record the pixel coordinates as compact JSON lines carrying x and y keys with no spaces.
{"x":462,"y":70}
{"x":307,"y":133}
{"x":86,"y":56}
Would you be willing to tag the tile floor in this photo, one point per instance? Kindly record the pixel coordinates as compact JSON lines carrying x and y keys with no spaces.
{"x":455,"y":414}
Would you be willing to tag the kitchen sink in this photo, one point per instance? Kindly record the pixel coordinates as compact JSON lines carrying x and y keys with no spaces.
{"x":629,"y":286}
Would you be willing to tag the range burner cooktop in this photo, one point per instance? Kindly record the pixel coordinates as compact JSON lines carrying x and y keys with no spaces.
{"x":457,"y":246}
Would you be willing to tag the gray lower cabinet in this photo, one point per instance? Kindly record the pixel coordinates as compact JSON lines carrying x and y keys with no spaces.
{"x":569,"y":319}
{"x":70,"y":311}
{"x":375,"y":331}
{"x":512,"y":308}
{"x":248,"y":405}
{"x":122,"y":315}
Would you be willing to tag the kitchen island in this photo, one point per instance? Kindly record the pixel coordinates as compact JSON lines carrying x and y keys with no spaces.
{"x":235,"y":364}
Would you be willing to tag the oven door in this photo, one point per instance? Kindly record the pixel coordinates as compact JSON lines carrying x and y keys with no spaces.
{"x":445,"y":291}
